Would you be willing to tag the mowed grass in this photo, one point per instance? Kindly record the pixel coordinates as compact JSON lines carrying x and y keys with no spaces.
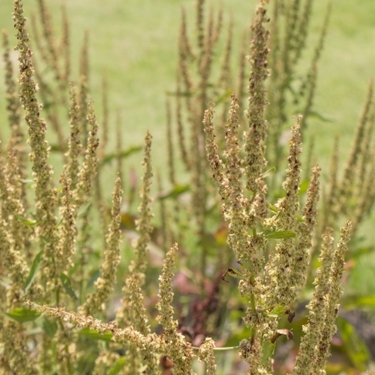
{"x":135,"y":43}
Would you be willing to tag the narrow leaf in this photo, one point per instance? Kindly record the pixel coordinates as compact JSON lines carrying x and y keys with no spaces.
{"x":224,"y":97}
{"x":304,"y":186}
{"x":84,"y":208}
{"x":33,"y":269}
{"x":175,"y":192}
{"x":274,"y":208}
{"x":281,"y":234}
{"x":267,"y":351}
{"x":95,"y":335}
{"x":67,"y":286}
{"x":49,"y":327}
{"x":21,"y":314}
{"x":124,"y":154}
{"x":26,"y":221}
{"x":117,"y":367}
{"x":181,"y":93}
{"x":269,"y":172}
{"x":277,"y":311}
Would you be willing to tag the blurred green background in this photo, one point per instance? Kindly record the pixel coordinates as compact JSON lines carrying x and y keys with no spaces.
{"x":135,"y":41}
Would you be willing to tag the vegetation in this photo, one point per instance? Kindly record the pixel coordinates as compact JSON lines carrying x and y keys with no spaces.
{"x":241,"y":238}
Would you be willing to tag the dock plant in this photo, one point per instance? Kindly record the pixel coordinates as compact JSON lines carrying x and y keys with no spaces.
{"x":71,"y":303}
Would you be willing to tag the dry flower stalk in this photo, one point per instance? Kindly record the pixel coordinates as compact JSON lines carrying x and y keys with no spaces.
{"x":139,"y":265}
{"x":74,"y":144}
{"x":105,"y":283}
{"x":45,"y":194}
{"x":88,"y":171}
{"x":323,"y":308}
{"x":179,"y":350}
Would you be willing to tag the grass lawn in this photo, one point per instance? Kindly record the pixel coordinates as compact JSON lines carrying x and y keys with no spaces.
{"x":134,"y":43}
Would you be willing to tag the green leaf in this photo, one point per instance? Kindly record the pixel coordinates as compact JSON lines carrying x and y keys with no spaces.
{"x":223,"y":97}
{"x":26,"y":221}
{"x":94,"y":276}
{"x":281,"y":234}
{"x":274,"y":208}
{"x":84,"y":208}
{"x":277,"y":312}
{"x":21,"y":314}
{"x":53,"y":148}
{"x":267,"y":351}
{"x":95,"y":335}
{"x":33,"y":269}
{"x":49,"y":327}
{"x":354,"y":347}
{"x":123,"y":154}
{"x":117,"y":367}
{"x":175,"y":192}
{"x":269,"y":172}
{"x":303,"y":187}
{"x":44,"y":239}
{"x":67,"y":286}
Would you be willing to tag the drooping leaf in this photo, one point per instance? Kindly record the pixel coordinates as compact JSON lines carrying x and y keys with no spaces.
{"x":95,"y":335}
{"x":232,"y":273}
{"x":124,"y":154}
{"x":280,"y":234}
{"x":49,"y":327}
{"x":282,"y":332}
{"x":33,"y":269}
{"x":117,"y":367}
{"x":21,"y":314}
{"x":67,"y":286}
